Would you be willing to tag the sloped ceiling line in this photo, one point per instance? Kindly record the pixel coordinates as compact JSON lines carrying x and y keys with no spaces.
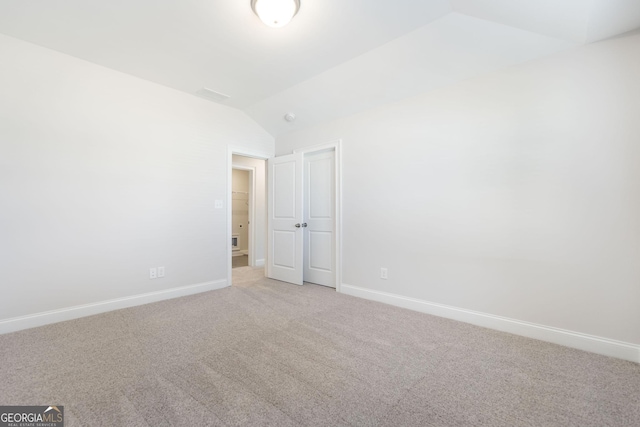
{"x":334,"y":59}
{"x":477,"y":37}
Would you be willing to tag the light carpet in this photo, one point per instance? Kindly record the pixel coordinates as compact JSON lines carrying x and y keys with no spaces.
{"x":263,"y":352}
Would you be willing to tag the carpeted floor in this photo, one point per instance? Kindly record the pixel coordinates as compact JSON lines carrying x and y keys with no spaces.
{"x":264,"y":352}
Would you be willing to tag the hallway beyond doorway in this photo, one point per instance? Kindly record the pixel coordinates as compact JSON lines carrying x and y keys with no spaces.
{"x":239,"y":261}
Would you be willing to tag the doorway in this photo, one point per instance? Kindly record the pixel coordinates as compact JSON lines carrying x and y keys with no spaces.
{"x":241,"y":197}
{"x":246,"y":210}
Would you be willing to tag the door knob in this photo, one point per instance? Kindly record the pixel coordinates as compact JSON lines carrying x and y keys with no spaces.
{"x":298,"y":225}
{"x":304,"y":224}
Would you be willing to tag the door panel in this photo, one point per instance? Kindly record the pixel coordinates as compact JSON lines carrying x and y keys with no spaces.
{"x":319,"y":211}
{"x":284,"y":212}
{"x":284,"y":243}
{"x":320,"y":246}
{"x":320,"y":179}
{"x":284,"y":197}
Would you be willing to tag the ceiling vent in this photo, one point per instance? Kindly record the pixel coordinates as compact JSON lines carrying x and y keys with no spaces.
{"x":212,"y":95}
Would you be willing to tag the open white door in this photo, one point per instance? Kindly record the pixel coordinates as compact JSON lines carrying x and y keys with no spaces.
{"x":285,"y":218}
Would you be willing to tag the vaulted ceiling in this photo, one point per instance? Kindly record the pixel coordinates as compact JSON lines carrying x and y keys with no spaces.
{"x":336,"y":57}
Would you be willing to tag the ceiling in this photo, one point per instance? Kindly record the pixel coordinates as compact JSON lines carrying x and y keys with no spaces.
{"x":335,"y":58}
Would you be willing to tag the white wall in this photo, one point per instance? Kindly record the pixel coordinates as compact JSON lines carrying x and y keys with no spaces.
{"x":240,"y":208}
{"x":523,"y":187}
{"x":260,"y":226}
{"x":103,"y":175}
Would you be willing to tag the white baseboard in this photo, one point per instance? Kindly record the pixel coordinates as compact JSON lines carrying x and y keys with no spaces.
{"x":594,"y":344}
{"x":260,"y":263}
{"x":69,"y":313}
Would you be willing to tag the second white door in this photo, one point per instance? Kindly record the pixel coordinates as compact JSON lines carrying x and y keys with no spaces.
{"x":319,"y":216}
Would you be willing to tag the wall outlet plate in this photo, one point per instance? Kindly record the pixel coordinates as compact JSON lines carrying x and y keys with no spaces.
{"x":384,"y":273}
{"x":160,"y":271}
{"x":153,"y":273}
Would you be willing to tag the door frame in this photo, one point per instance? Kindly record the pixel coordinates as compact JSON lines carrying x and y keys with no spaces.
{"x":336,"y":145}
{"x":246,"y":152}
{"x":252,"y":200}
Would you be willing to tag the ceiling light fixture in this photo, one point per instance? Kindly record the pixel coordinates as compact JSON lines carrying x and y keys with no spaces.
{"x":275,"y":13}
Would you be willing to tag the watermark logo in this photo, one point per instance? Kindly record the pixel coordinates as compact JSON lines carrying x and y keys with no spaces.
{"x":32,"y":416}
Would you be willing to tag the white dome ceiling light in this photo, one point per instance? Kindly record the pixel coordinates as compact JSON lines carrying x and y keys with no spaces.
{"x":275,"y":13}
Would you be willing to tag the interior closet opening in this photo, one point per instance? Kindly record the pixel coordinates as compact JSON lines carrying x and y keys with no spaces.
{"x":304,"y":211}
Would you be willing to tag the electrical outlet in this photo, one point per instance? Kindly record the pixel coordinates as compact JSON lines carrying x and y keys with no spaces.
{"x":160,"y":271}
{"x":384,"y":273}
{"x":218,"y":204}
{"x":153,"y":273}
